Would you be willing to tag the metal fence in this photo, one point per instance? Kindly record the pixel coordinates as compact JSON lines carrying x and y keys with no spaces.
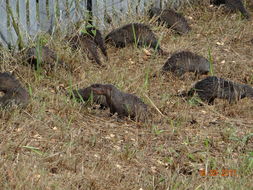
{"x":24,"y":19}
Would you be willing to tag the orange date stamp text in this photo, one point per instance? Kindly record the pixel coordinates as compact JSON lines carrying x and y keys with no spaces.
{"x":223,"y":172}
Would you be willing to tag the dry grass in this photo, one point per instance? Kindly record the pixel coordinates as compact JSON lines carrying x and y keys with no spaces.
{"x":56,"y":143}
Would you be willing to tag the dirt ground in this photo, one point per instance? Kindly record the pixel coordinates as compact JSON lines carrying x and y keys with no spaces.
{"x":58,"y":143}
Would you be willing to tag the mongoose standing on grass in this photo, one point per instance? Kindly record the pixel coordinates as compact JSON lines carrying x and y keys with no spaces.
{"x":186,"y":61}
{"x":134,"y":33}
{"x":14,"y":93}
{"x":41,"y":55}
{"x":87,"y":44}
{"x":214,"y":87}
{"x":233,"y":5}
{"x":85,"y":94}
{"x":122,"y":103}
{"x":171,"y":18}
{"x":98,"y":39}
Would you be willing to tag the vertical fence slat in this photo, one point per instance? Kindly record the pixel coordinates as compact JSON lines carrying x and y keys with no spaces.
{"x":108,"y":8}
{"x":3,"y":24}
{"x":98,"y":13}
{"x":155,"y":3}
{"x":77,"y":12}
{"x":124,"y":6}
{"x":83,"y":9}
{"x":141,"y":6}
{"x":164,"y":2}
{"x":62,"y":7}
{"x":33,"y":22}
{"x":158,"y":4}
{"x":23,"y":19}
{"x":52,"y":15}
{"x":94,"y":11}
{"x":72,"y":10}
{"x":147,"y":3}
{"x":134,"y":5}
{"x":44,"y":21}
{"x":13,"y":35}
{"x":117,"y":7}
{"x":51,"y":6}
{"x":63,"y":14}
{"x":117,"y":11}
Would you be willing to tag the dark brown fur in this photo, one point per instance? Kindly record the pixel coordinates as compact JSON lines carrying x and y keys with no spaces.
{"x":233,"y":5}
{"x":14,"y":93}
{"x":122,"y":103}
{"x":133,"y":33}
{"x":98,"y":39}
{"x":173,"y":19}
{"x":186,"y":61}
{"x":85,"y":94}
{"x":87,"y":44}
{"x":41,"y":55}
{"x":213,"y":87}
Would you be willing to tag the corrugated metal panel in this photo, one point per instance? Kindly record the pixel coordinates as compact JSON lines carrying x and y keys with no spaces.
{"x":64,"y":12}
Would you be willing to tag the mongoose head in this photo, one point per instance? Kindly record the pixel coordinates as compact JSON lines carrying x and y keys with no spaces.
{"x":84,"y":93}
{"x":44,"y":54}
{"x":34,"y":52}
{"x":153,"y":11}
{"x":8,"y":81}
{"x":102,"y":89}
{"x":248,"y":91}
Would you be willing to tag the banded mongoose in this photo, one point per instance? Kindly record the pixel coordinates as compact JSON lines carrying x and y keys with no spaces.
{"x":133,"y":33}
{"x":98,"y":39}
{"x":42,"y":55}
{"x":85,"y":94}
{"x":233,"y":5}
{"x":14,"y":93}
{"x":87,"y":44}
{"x":213,"y":87}
{"x":186,"y":61}
{"x":122,"y":103}
{"x":171,"y":18}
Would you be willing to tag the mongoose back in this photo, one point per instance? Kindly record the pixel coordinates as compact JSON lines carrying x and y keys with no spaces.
{"x":172,"y":19}
{"x":132,"y":33}
{"x":186,"y":61}
{"x":233,"y":5}
{"x":42,"y":55}
{"x":213,"y":87}
{"x":14,"y":93}
{"x":122,"y":103}
{"x":86,"y":93}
